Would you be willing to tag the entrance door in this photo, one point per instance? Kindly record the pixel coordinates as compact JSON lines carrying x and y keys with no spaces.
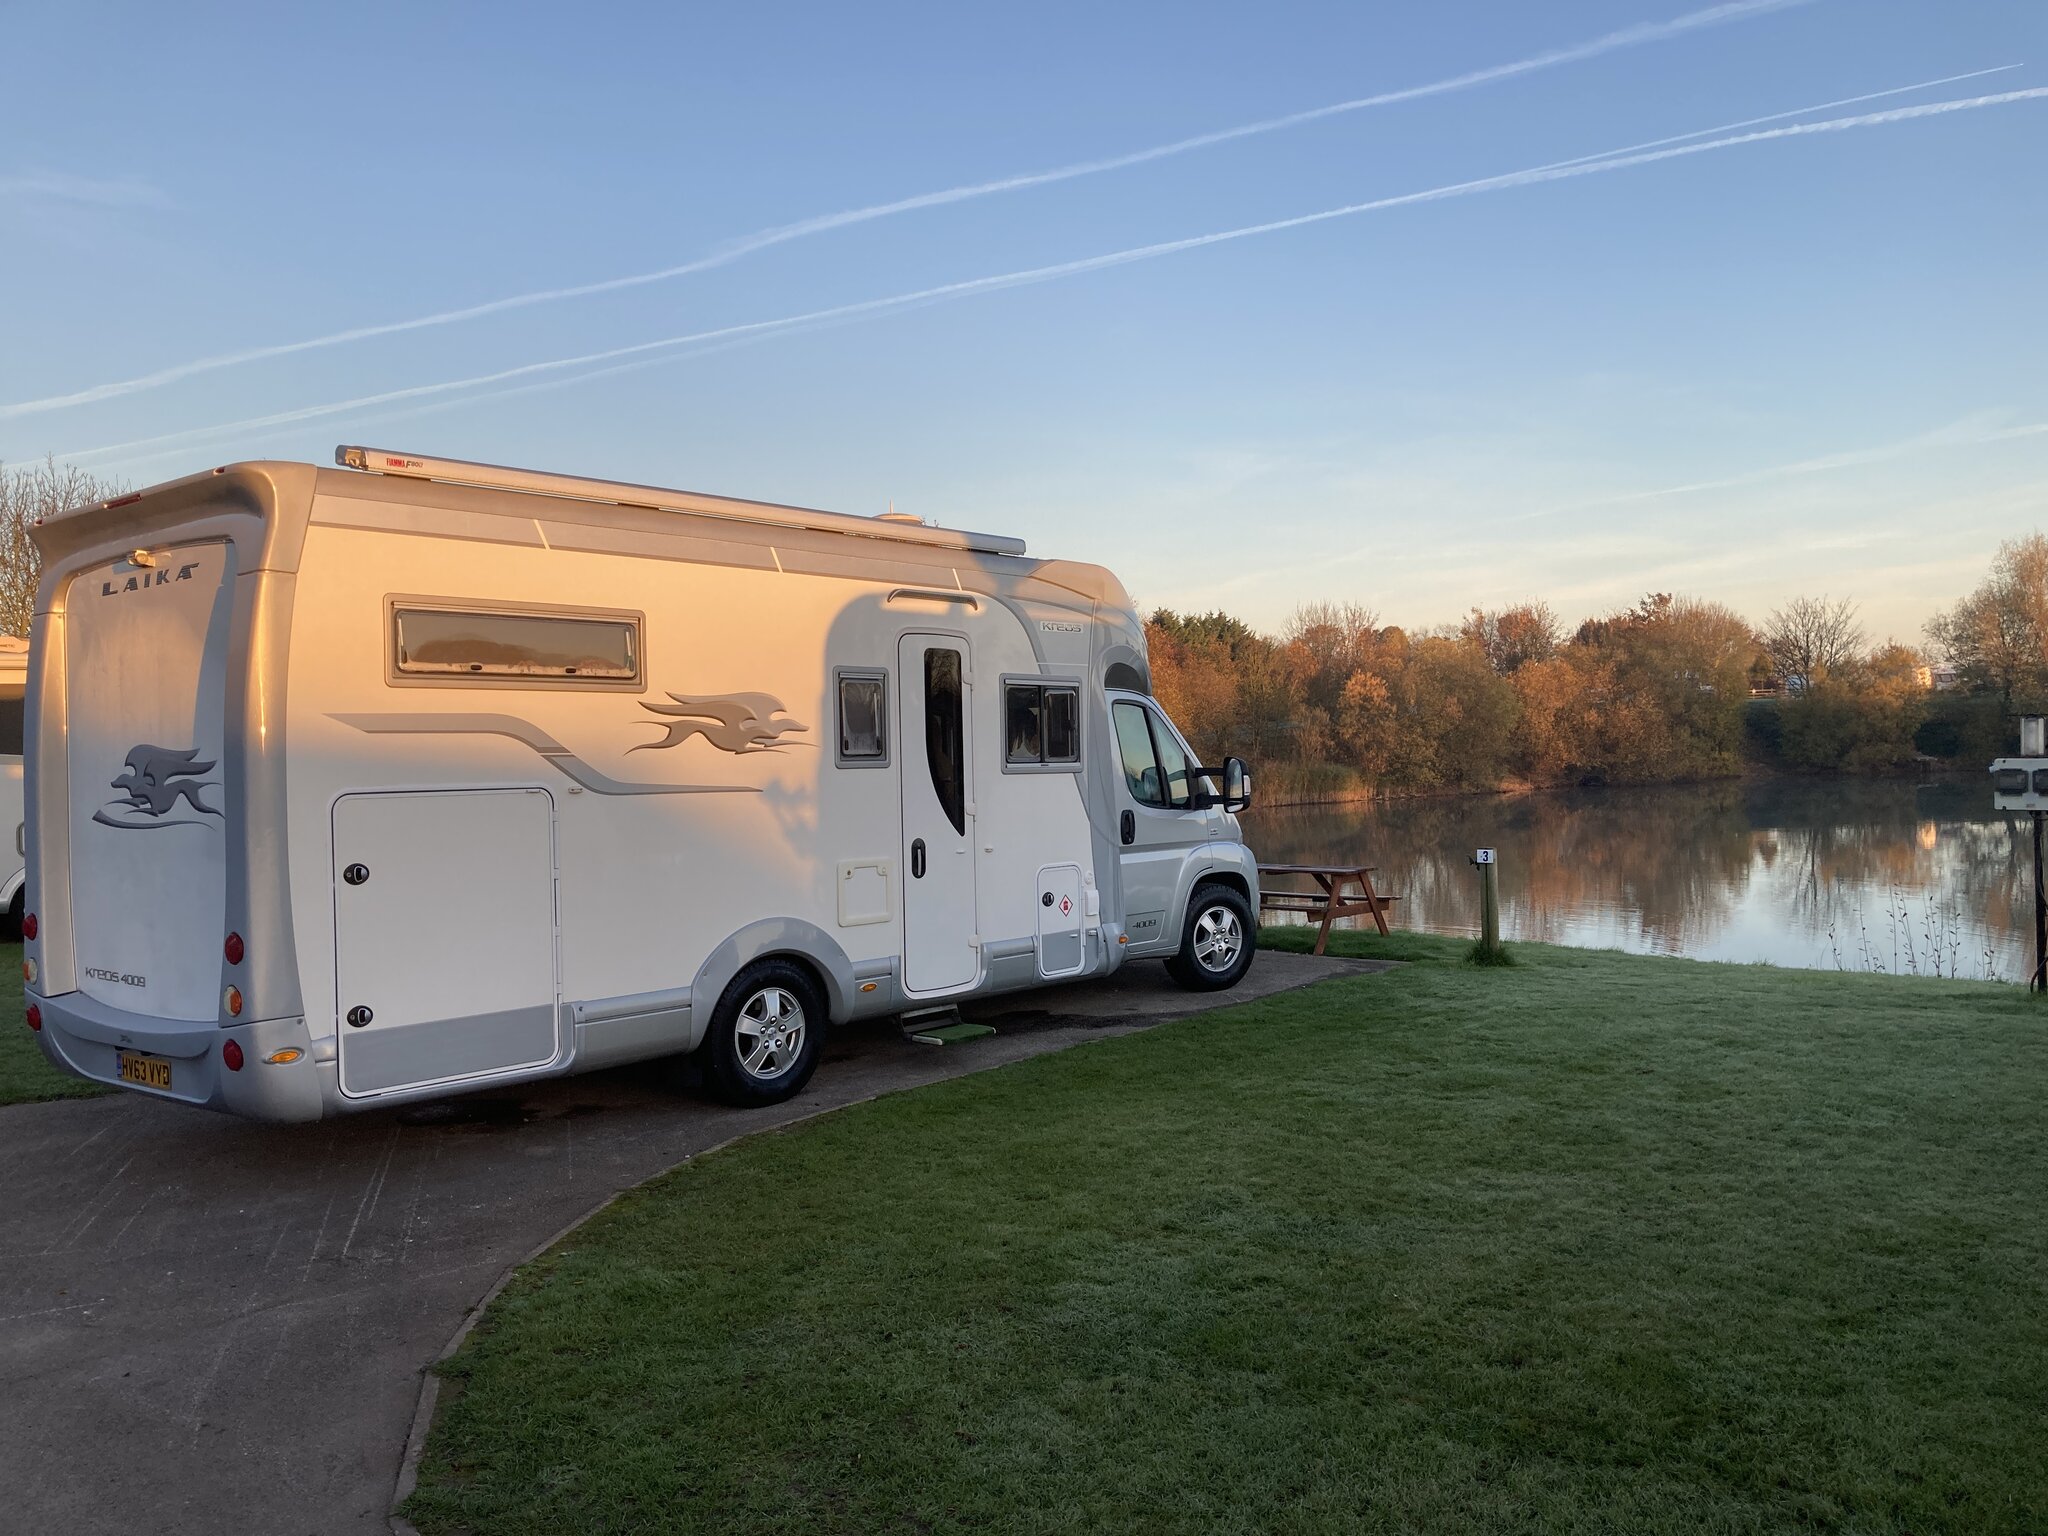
{"x":939,"y":947}
{"x":444,"y":932}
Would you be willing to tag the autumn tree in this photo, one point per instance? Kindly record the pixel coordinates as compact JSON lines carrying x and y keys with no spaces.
{"x":1997,"y":637}
{"x":1511,"y":638}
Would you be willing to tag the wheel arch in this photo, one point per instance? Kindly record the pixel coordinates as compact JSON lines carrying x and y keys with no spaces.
{"x":773,"y":938}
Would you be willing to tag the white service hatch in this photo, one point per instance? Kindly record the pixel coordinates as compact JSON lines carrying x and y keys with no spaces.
{"x":444,"y":927}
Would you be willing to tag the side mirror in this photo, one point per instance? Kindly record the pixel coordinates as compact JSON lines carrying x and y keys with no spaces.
{"x":1237,"y":786}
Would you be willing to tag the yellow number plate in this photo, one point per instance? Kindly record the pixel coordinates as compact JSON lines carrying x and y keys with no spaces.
{"x":150,"y":1071}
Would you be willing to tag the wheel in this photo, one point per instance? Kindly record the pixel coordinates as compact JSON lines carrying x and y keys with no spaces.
{"x":765,"y":1035}
{"x":1217,"y":941}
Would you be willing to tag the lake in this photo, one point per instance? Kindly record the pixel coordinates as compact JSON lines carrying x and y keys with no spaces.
{"x":1864,"y":874}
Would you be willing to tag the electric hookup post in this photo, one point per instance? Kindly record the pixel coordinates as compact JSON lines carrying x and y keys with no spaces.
{"x":1489,"y":904}
{"x":2021,"y":784}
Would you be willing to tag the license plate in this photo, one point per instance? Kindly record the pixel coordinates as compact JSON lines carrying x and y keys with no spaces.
{"x":149,"y":1071}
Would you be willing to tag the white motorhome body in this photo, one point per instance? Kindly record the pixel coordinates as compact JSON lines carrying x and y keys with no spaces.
{"x":352,"y":786}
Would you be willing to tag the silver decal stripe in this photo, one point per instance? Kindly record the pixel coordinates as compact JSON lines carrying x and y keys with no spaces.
{"x":527,"y":734}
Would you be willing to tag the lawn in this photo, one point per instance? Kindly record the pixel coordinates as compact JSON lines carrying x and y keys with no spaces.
{"x":1598,"y":1243}
{"x":24,"y":1075}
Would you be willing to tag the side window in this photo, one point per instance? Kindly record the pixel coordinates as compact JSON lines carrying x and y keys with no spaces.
{"x":1141,"y":762}
{"x":10,"y":725}
{"x":1041,"y":725}
{"x":519,"y":648}
{"x":1024,"y":723}
{"x":863,"y":717}
{"x":1174,"y":761}
{"x":945,"y":731}
{"x":1063,"y":725}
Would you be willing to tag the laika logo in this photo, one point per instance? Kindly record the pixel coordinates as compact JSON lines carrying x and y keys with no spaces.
{"x":738,"y":723}
{"x":149,"y":578}
{"x":155,"y":780}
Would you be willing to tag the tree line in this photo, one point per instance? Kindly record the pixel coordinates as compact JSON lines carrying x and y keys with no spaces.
{"x":1670,"y":689}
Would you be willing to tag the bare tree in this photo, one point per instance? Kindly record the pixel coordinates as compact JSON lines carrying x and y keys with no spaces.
{"x":1811,"y":637}
{"x":27,"y":496}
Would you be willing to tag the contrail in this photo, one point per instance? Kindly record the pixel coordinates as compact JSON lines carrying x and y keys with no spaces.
{"x":1958,"y":435}
{"x":1558,"y":171}
{"x":1627,"y":37}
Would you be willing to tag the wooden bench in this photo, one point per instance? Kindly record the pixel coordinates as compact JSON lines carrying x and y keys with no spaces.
{"x":1332,"y":901}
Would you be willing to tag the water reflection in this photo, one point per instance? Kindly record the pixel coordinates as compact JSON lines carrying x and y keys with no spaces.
{"x":1867,"y":875}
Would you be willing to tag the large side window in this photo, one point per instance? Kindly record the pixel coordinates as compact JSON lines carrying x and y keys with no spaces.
{"x":497,"y":645}
{"x":10,"y":725}
{"x":863,"y":719}
{"x":1141,"y":760}
{"x":945,"y":732}
{"x":1041,"y":725}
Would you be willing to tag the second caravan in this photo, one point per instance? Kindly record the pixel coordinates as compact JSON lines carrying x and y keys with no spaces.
{"x":352,"y":786}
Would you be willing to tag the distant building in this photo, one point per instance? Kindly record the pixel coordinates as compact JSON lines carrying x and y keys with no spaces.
{"x":1942,"y":675}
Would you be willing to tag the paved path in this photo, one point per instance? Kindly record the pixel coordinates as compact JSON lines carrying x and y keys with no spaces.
{"x":208,"y":1325}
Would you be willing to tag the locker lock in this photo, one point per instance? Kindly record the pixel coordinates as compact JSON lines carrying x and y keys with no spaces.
{"x":359,"y":1016}
{"x":1045,"y":900}
{"x":356,"y":874}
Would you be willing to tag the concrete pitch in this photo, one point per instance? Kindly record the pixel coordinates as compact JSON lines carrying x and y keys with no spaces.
{"x":209,"y":1325}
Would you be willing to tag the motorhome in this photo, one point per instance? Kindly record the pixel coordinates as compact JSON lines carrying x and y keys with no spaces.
{"x":412,"y":776}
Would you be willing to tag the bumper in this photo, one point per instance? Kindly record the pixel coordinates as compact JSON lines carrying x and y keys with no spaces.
{"x":84,"y":1038}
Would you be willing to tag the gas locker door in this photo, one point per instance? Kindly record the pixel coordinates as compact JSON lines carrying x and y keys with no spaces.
{"x":940,"y":946}
{"x":444,"y":930}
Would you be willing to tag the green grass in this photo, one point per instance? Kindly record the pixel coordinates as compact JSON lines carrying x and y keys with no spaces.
{"x":1598,"y":1243}
{"x":24,"y":1076}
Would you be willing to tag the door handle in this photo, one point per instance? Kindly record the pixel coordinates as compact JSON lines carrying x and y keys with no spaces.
{"x":917,"y":859}
{"x":1127,"y":829}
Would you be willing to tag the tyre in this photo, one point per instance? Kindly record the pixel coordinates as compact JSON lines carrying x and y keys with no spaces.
{"x":1217,"y":941}
{"x":766,"y":1035}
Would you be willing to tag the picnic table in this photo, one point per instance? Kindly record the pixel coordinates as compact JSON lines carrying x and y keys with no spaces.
{"x":1330,"y":902}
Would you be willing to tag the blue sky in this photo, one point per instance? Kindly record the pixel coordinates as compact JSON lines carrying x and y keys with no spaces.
{"x":1809,"y":363}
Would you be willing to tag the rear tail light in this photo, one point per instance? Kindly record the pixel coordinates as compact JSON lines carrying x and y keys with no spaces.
{"x":233,"y":999}
{"x":28,"y":969}
{"x":233,"y":949}
{"x":35,"y":1018}
{"x":231,"y":1053}
{"x":28,"y":926}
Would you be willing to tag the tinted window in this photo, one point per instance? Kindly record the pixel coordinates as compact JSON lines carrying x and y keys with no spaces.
{"x":945,"y":734}
{"x":1141,"y":762}
{"x":862,"y":734}
{"x":10,"y":726}
{"x":1023,"y":722}
{"x":448,"y":642}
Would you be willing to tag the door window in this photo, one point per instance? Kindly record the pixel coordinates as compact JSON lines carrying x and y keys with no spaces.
{"x":1141,"y":760}
{"x":1172,"y":759}
{"x":945,"y":727}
